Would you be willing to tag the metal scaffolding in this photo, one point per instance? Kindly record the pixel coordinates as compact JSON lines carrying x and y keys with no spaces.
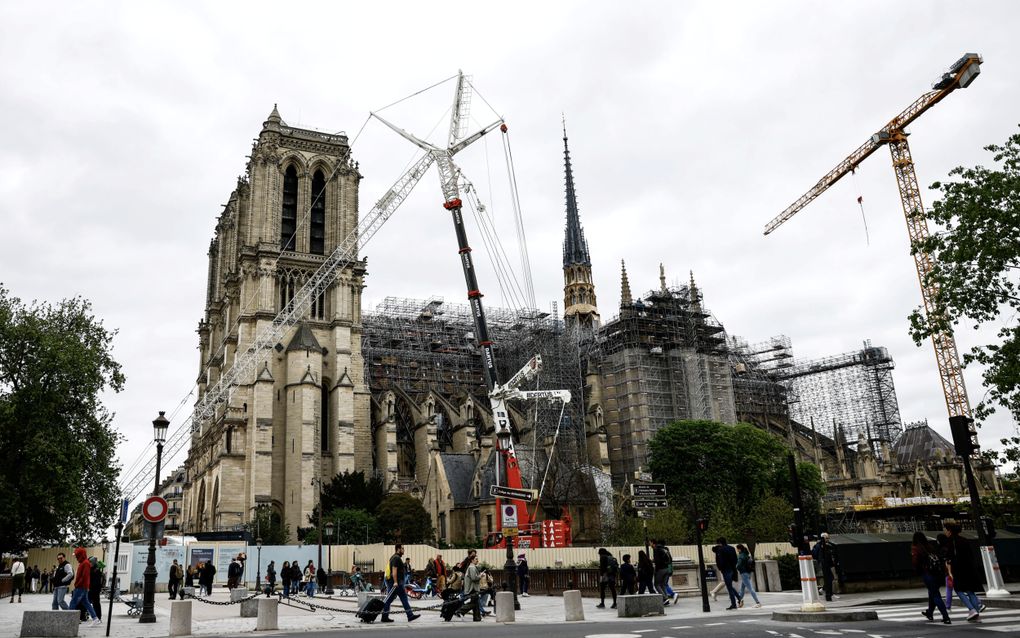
{"x":853,"y":391}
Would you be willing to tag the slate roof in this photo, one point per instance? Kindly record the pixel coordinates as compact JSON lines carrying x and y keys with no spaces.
{"x":303,"y":339}
{"x":921,"y":443}
{"x":460,"y":470}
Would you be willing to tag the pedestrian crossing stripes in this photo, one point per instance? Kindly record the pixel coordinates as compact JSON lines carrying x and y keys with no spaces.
{"x":992,"y":619}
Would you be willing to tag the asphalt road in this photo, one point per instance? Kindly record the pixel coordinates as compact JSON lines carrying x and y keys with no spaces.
{"x":714,"y":624}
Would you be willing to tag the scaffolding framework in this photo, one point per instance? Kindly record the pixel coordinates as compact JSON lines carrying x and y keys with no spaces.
{"x":852,"y":392}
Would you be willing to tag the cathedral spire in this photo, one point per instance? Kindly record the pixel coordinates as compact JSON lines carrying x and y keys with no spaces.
{"x":575,"y":248}
{"x":693,"y":294}
{"x":625,"y":297}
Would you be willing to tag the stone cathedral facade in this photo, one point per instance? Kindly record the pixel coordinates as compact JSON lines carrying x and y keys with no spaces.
{"x":305,"y":416}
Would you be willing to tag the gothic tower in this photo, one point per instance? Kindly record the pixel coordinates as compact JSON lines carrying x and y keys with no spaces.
{"x":579,"y":306}
{"x":305,"y":415}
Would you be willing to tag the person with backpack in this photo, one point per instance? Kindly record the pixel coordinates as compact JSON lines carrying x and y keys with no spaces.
{"x":745,"y":567}
{"x":963,"y":570}
{"x":929,"y":564}
{"x":234,"y":571}
{"x":609,"y":570}
{"x":270,"y":578}
{"x":176,"y":576}
{"x":826,"y":553}
{"x":645,"y":573}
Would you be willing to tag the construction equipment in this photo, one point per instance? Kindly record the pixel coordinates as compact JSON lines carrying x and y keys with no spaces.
{"x":894,"y":134}
{"x":499,"y":394}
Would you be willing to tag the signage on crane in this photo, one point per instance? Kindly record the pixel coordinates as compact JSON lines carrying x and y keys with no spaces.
{"x":511,"y":492}
{"x":154,"y":509}
{"x":648,"y":489}
{"x":650,"y":503}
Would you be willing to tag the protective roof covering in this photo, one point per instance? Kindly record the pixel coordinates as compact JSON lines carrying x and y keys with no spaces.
{"x":921,"y":443}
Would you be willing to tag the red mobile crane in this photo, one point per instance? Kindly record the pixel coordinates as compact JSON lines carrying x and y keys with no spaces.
{"x":511,"y":497}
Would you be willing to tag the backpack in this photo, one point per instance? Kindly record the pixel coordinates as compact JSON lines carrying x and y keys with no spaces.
{"x":935,"y":563}
{"x":750,"y":563}
{"x":669,"y":565}
{"x":612,"y":566}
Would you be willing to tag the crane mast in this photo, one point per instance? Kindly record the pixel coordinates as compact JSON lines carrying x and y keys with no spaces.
{"x":960,"y":75}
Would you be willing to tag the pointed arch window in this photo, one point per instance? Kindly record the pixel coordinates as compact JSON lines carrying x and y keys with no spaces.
{"x":288,"y":214}
{"x":317,"y":220}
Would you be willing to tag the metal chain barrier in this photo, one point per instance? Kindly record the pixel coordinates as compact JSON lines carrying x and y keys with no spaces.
{"x":216,"y":602}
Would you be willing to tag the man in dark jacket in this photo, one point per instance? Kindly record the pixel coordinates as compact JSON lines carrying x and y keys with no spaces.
{"x":964,"y":569}
{"x":523,"y":577}
{"x":663,"y":565}
{"x":726,"y":559}
{"x":270,"y":578}
{"x":628,"y":577}
{"x":397,"y":573}
{"x":828,"y":556}
{"x":173,"y":585}
{"x":234,"y":572}
{"x":62,"y":578}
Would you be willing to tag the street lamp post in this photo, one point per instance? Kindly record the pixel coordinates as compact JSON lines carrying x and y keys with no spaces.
{"x":329,"y":539}
{"x":159,"y":428}
{"x":258,"y":564}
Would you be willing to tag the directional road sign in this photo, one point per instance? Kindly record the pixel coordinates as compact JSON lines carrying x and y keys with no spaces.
{"x":511,"y":492}
{"x":648,"y":489}
{"x":154,"y":509}
{"x":645,"y":514}
{"x":650,"y":503}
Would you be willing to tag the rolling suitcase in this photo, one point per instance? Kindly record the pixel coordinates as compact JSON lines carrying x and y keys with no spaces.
{"x":370,"y":610}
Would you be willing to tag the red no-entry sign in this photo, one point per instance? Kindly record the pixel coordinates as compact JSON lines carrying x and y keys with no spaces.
{"x":154,"y":509}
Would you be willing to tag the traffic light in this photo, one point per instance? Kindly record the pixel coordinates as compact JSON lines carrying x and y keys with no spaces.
{"x":988,"y":525}
{"x":702,"y":524}
{"x":962,"y":440}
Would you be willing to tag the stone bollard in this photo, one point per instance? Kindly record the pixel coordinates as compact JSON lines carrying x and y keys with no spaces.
{"x":238,"y":594}
{"x":572,"y":606}
{"x":180,"y":618}
{"x":809,"y":585}
{"x":268,"y":615}
{"x":505,"y":606}
{"x":49,"y":623}
{"x":250,"y":608}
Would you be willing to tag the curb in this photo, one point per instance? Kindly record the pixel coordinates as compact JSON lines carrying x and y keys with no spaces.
{"x":824,"y":616}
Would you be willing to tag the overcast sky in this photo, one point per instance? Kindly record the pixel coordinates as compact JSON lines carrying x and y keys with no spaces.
{"x":691,"y":125}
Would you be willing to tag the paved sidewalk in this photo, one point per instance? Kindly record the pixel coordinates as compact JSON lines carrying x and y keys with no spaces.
{"x":225,"y":619}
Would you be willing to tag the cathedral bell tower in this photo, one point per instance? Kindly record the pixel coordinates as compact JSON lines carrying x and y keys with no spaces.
{"x":579,"y":306}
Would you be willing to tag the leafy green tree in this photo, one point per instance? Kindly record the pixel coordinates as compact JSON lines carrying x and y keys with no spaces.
{"x":976,"y":272}
{"x":350,"y":526}
{"x":402,"y":518}
{"x":350,"y":490}
{"x":735,"y":475}
{"x":58,"y":479}
{"x":269,"y":526}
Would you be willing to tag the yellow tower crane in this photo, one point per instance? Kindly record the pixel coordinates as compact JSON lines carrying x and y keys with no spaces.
{"x":893,"y":134}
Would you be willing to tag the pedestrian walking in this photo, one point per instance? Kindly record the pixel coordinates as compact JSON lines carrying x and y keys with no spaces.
{"x":726,"y":558}
{"x":207,"y":577}
{"x":828,"y":556}
{"x":963,"y":571}
{"x":36,"y":577}
{"x":270,"y":578}
{"x":322,"y":580}
{"x":745,"y":567}
{"x":309,"y":580}
{"x":396,"y":570}
{"x":628,"y":577}
{"x":930,"y":565}
{"x":173,"y":585}
{"x":17,"y":578}
{"x":609,"y":570}
{"x":285,"y":578}
{"x":95,"y":590}
{"x":471,"y":593}
{"x":45,"y":581}
{"x":62,"y":578}
{"x":523,"y":575}
{"x":645,"y":573}
{"x":234,"y":572}
{"x":82,"y":580}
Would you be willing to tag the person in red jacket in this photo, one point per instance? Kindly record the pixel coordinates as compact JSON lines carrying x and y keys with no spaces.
{"x":80,"y":595}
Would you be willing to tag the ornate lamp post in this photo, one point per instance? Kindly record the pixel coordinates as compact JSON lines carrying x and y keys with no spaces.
{"x":328,"y":529}
{"x":159,"y":427}
{"x":258,"y":564}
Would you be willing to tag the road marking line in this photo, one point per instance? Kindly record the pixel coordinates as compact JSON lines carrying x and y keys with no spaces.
{"x":714,"y":624}
{"x":681,"y":627}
